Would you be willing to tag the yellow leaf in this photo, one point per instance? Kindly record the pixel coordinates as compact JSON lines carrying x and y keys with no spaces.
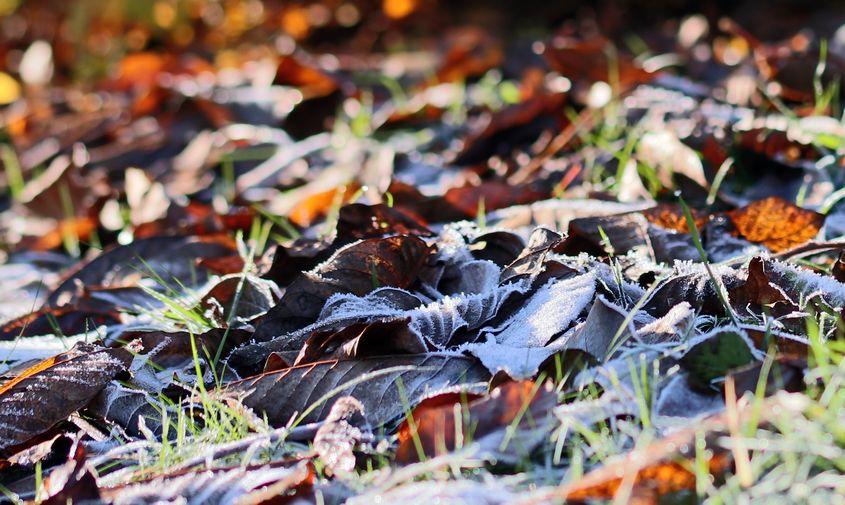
{"x":10,"y":90}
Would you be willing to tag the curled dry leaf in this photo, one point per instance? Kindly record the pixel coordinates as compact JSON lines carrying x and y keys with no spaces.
{"x":236,"y":299}
{"x":48,"y":392}
{"x":758,"y":292}
{"x":358,"y":269}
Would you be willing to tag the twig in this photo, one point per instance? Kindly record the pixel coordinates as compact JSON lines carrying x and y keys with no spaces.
{"x":299,"y":433}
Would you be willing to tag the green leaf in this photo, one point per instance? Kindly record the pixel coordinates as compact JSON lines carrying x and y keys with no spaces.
{"x":713,"y":355}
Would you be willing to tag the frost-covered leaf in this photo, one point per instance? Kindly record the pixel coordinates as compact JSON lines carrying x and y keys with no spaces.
{"x":520,"y":344}
{"x":677,"y":399}
{"x":358,"y":268}
{"x":51,"y":390}
{"x":125,"y":406}
{"x":758,"y":294}
{"x":345,"y":427}
{"x":303,"y":391}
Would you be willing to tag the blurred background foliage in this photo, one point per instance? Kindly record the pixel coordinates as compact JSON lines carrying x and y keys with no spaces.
{"x":90,"y":36}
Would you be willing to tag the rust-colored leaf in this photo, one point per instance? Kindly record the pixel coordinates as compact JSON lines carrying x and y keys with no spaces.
{"x":671,"y":217}
{"x":505,"y":423}
{"x":776,"y":223}
{"x":471,"y":53}
{"x":317,"y":206}
{"x":589,"y":60}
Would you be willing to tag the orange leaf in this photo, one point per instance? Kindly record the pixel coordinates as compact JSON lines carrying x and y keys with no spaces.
{"x":521,"y":403}
{"x":776,"y":223}
{"x":317,"y":206}
{"x":671,"y":217}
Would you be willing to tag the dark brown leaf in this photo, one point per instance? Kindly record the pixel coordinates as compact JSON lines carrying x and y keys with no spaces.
{"x":786,"y":373}
{"x":170,"y":258}
{"x":358,"y":269}
{"x":72,"y":482}
{"x":48,"y":392}
{"x":302,"y":392}
{"x":358,"y":221}
{"x":758,"y":294}
{"x":68,"y":320}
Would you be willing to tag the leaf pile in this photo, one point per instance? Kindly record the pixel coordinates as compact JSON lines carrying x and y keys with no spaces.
{"x":319,"y":270}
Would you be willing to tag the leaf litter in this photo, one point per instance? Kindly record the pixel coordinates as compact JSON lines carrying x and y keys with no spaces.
{"x":586,"y":267}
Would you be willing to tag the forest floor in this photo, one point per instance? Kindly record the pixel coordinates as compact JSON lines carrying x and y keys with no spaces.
{"x":380,"y":252}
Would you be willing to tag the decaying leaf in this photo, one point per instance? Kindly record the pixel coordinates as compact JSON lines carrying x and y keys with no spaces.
{"x":345,"y":427}
{"x":229,"y":486}
{"x":126,"y":265}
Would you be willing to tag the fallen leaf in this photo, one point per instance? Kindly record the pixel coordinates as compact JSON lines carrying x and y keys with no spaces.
{"x":67,"y":320}
{"x":508,"y":424}
{"x":776,"y":223}
{"x":302,"y":392}
{"x":236,"y":484}
{"x":671,"y":217}
{"x":72,"y":481}
{"x":46,"y":393}
{"x":358,"y":221}
{"x":344,"y":428}
{"x":236,"y":299}
{"x":171,"y":258}
{"x":714,"y":354}
{"x":358,"y":269}
{"x":758,"y":294}
{"x":785,"y":373}
{"x":589,"y":60}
